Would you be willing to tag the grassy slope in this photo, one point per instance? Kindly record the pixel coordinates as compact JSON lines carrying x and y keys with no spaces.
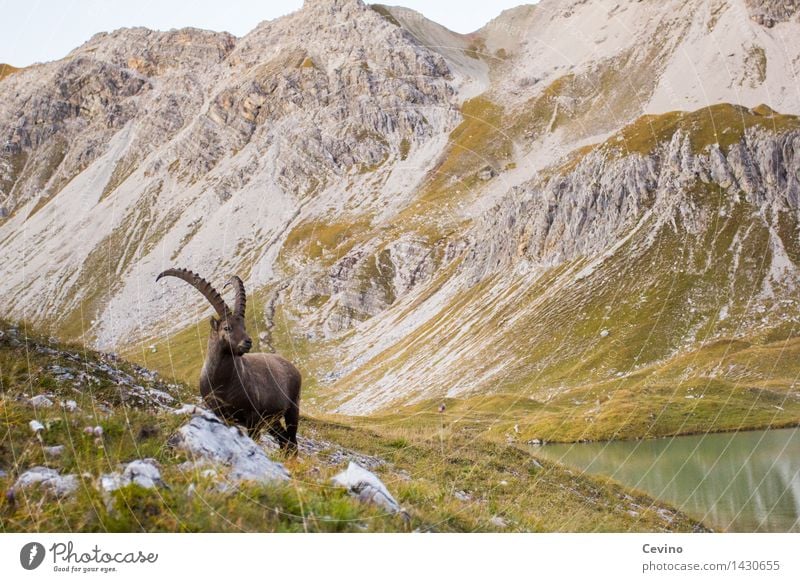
{"x":6,"y":70}
{"x":423,"y":469}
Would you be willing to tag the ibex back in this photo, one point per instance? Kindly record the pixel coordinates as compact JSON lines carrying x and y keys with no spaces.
{"x":254,"y":390}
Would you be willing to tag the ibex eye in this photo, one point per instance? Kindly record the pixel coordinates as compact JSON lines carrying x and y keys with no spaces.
{"x":226,"y":328}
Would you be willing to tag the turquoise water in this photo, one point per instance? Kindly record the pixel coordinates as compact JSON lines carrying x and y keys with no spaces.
{"x":746,"y":481}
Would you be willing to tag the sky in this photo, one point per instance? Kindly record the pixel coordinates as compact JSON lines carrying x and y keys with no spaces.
{"x":44,"y":30}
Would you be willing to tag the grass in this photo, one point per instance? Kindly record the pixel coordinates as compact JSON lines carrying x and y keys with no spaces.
{"x":477,"y":49}
{"x":179,"y":355}
{"x":405,"y":148}
{"x":723,"y":124}
{"x":7,"y":70}
{"x":315,"y":240}
{"x":385,"y":13}
{"x":478,"y":141}
{"x":122,"y":171}
{"x":447,"y":479}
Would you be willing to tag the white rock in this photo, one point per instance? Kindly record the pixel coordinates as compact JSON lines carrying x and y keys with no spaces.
{"x":70,"y":405}
{"x":41,"y":401}
{"x":207,"y":437}
{"x":367,"y":487}
{"x":604,"y":333}
{"x":142,"y":472}
{"x":36,"y":426}
{"x":49,"y":479}
{"x":498,"y":521}
{"x":462,"y":496}
{"x":110,"y":482}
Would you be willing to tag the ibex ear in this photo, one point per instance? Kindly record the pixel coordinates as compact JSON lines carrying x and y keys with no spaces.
{"x":214,"y":323}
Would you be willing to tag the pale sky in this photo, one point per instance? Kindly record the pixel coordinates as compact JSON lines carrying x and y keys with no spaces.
{"x":44,"y":30}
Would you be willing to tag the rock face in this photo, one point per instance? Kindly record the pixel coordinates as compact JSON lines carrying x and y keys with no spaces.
{"x":578,"y":213}
{"x":206,"y":438}
{"x":428,"y":213}
{"x":770,"y":12}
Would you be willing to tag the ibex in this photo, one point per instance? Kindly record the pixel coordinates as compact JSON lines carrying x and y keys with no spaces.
{"x":254,"y":390}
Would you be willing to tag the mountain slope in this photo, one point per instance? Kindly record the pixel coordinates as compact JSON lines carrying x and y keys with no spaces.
{"x":579,"y":204}
{"x":697,"y":298}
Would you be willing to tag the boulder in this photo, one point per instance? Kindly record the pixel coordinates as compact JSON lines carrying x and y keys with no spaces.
{"x":367,"y":487}
{"x":70,"y":405}
{"x":49,"y":480}
{"x":206,"y":437}
{"x":142,"y":472}
{"x":41,"y":401}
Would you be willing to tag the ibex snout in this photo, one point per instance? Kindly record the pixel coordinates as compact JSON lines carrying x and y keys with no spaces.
{"x":245,"y":345}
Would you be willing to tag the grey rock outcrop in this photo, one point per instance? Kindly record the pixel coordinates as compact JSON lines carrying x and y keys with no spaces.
{"x":770,"y":12}
{"x":48,"y":480}
{"x":41,"y":401}
{"x":206,"y":438}
{"x":142,"y":472}
{"x":583,"y":212}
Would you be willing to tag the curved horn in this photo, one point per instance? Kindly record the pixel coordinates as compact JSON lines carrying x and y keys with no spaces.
{"x":196,"y":281}
{"x":240,"y":300}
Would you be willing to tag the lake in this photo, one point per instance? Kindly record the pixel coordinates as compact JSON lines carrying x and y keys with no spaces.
{"x":746,"y":482}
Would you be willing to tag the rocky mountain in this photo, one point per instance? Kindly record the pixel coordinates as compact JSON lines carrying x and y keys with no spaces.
{"x":583,"y":208}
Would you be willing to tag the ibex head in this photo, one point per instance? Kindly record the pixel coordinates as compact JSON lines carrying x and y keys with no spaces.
{"x":229,"y":328}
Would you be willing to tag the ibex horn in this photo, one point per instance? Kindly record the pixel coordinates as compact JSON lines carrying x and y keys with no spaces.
{"x":240,"y":300}
{"x":196,"y":281}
